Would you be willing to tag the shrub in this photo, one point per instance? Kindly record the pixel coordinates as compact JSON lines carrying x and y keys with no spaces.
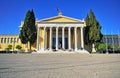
{"x":101,"y":46}
{"x":9,"y":47}
{"x":18,"y":47}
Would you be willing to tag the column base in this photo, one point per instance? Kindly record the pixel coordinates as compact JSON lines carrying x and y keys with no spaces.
{"x":70,"y":49}
{"x":82,"y":51}
{"x":76,"y":50}
{"x":50,"y":49}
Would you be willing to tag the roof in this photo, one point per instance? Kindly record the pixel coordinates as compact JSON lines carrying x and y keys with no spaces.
{"x":57,"y":19}
{"x":9,"y":35}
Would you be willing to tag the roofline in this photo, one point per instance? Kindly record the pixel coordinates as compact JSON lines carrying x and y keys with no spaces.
{"x":60,"y":16}
{"x":9,"y":34}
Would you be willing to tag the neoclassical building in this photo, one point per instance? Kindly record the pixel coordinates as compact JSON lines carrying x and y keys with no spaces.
{"x":57,"y":33}
{"x":6,"y":40}
{"x":60,"y":32}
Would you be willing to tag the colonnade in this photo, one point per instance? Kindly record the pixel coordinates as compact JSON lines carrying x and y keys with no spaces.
{"x":63,"y":38}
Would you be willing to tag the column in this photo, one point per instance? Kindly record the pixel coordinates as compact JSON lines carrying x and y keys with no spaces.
{"x":82,"y":38}
{"x":4,"y":39}
{"x":56,"y":38}
{"x":10,"y":40}
{"x":69,"y":35}
{"x":50,"y":44}
{"x":75,"y":30}
{"x":63,"y":39}
{"x":38,"y":37}
{"x":44,"y":38}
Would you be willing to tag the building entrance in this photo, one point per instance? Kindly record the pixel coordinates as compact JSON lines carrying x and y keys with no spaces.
{"x":60,"y":43}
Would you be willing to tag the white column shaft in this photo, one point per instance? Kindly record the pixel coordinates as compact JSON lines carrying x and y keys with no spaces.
{"x":75,"y":38}
{"x":69,"y":35}
{"x":56,"y":38}
{"x":38,"y":37}
{"x":82,"y":38}
{"x":44,"y":38}
{"x":50,"y":38}
{"x":63,"y":38}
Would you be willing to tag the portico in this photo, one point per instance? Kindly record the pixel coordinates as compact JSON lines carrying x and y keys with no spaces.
{"x":70,"y":27}
{"x":54,"y":34}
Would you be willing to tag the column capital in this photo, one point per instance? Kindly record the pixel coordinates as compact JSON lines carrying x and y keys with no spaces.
{"x":75,"y":28}
{"x":57,"y":27}
{"x":51,"y":27}
{"x":81,"y":27}
{"x":44,"y":27}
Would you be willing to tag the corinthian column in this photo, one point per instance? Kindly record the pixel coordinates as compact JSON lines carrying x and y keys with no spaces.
{"x":56,"y":38}
{"x":44,"y":38}
{"x":69,"y":35}
{"x":38,"y":38}
{"x":82,"y":38}
{"x":75,"y":30}
{"x":50,"y":38}
{"x":63,"y":38}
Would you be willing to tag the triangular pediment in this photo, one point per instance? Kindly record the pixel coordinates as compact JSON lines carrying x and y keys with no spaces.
{"x":61,"y":19}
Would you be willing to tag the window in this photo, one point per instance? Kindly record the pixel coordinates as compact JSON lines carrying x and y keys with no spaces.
{"x":14,"y":40}
{"x":5,"y":40}
{"x":17,"y":40}
{"x":1,"y":40}
{"x":11,"y":40}
{"x":110,"y":40}
{"x":8,"y":40}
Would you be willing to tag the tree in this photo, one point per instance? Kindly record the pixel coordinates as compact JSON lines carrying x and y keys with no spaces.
{"x":87,"y":30}
{"x":28,"y":31}
{"x":92,"y":30}
{"x":18,"y":47}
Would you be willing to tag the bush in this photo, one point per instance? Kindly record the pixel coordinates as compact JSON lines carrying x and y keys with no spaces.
{"x":18,"y":47}
{"x":9,"y":47}
{"x":101,"y":47}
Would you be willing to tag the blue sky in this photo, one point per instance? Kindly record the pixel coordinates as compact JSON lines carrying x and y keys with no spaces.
{"x":12,"y":12}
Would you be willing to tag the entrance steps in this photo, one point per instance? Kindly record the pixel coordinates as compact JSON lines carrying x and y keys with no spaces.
{"x":61,"y":51}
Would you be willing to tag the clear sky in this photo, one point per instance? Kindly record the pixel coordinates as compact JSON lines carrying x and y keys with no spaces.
{"x":12,"y":12}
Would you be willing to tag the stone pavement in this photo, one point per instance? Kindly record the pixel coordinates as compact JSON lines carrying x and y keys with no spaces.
{"x":61,"y":65}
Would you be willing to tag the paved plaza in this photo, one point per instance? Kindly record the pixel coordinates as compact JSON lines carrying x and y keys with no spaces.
{"x":60,"y":65}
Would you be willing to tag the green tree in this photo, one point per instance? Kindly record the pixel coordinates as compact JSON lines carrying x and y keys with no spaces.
{"x":28,"y":33}
{"x":92,"y":30}
{"x":87,"y":30}
{"x":18,"y":47}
